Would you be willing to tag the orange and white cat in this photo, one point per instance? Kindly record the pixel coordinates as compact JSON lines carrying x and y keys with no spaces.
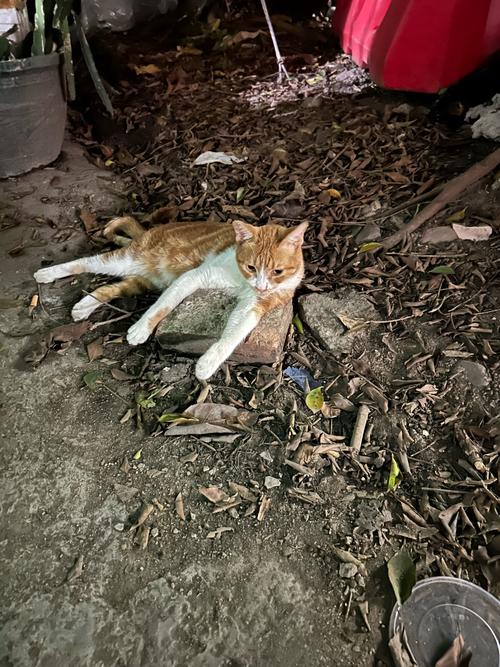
{"x":262,"y":266}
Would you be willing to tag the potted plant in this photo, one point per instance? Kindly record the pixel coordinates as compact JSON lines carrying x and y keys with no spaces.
{"x":36,"y":80}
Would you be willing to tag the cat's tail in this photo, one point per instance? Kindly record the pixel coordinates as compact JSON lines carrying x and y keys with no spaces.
{"x":126,"y":224}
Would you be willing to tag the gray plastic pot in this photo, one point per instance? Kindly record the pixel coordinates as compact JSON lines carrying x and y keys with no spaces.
{"x":32,"y":113}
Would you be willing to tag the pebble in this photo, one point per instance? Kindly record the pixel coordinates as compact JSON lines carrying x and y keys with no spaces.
{"x":348,"y":570}
{"x":154,"y":531}
{"x":120,"y":527}
{"x":271,"y":482}
{"x":266,"y":455}
{"x":475,"y":373}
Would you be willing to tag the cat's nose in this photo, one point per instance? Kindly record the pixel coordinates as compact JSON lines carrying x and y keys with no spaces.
{"x":261,"y":288}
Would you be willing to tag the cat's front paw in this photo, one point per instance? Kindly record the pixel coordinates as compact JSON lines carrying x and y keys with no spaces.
{"x":138,"y":333}
{"x":47,"y":275}
{"x":208,"y":364}
{"x":84,"y":308}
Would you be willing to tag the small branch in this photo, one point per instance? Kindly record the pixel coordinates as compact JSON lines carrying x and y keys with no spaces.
{"x":359,"y":428}
{"x":279,"y":58}
{"x":450,"y":191}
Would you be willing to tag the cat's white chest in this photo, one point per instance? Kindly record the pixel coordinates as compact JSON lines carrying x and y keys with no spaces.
{"x":221,"y":272}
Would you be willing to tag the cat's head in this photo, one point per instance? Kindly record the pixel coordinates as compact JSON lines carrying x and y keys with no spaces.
{"x":270,"y":257}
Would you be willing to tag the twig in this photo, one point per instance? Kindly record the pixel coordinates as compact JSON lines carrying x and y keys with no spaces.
{"x":359,"y":428}
{"x":449,"y":192}
{"x":279,"y":58}
{"x":96,"y":325}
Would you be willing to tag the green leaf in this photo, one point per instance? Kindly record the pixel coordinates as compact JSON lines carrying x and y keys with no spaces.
{"x":138,"y":454}
{"x":89,"y":61}
{"x":38,"y":47}
{"x":402,"y":575}
{"x":168,"y":417}
{"x":457,"y":216}
{"x":394,"y":474}
{"x":298,"y":325}
{"x":315,"y":399}
{"x":92,"y":379}
{"x":444,"y":270}
{"x":240,"y":193}
{"x":368,"y":247}
{"x":146,"y":403}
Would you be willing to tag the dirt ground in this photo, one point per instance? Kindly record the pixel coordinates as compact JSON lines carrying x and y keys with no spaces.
{"x":83,"y":452}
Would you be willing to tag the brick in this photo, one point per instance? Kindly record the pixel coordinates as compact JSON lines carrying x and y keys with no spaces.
{"x":199,"y":321}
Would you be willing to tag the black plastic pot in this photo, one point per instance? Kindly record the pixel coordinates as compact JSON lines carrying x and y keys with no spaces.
{"x":32,"y":113}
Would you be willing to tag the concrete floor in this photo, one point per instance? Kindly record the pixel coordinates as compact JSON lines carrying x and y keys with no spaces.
{"x":265,"y":595}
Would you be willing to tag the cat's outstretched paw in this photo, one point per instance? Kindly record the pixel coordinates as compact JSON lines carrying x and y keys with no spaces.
{"x":208,"y":364}
{"x":49,"y":274}
{"x":84,"y":308}
{"x":138,"y":333}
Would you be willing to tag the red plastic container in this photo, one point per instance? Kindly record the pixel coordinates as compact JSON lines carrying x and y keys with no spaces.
{"x":418,"y":45}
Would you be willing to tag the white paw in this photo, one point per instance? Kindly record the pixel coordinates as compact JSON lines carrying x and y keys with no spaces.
{"x":138,"y":333}
{"x":48,"y":275}
{"x":84,"y":308}
{"x":208,"y":364}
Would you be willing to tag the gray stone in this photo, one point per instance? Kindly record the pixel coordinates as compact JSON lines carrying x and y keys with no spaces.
{"x":475,"y":373}
{"x":271,"y":482}
{"x":348,"y":570}
{"x":368,"y":233}
{"x":333,"y":318}
{"x":176,"y":372}
{"x":200,"y":320}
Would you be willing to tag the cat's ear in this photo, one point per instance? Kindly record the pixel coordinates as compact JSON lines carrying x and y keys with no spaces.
{"x":295,"y":237}
{"x":243,"y":231}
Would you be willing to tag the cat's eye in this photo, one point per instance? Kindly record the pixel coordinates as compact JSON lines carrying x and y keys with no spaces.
{"x":251,"y":268}
{"x":278,"y":272}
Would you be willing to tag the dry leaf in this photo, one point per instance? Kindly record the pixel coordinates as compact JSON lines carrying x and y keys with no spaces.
{"x":402,"y":575}
{"x":146,"y":69}
{"x":76,"y":571}
{"x":350,"y":322}
{"x":67,"y":333}
{"x":243,"y":492}
{"x":456,"y":656}
{"x":95,"y":349}
{"x":214,"y":494}
{"x":179,"y":506}
{"x":215,"y":534}
{"x":263,"y":508}
{"x":89,"y":220}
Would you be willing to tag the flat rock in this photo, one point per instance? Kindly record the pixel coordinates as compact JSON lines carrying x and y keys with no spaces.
{"x":199,"y":321}
{"x":336,"y":319}
{"x":369,"y":232}
{"x":475,"y":373}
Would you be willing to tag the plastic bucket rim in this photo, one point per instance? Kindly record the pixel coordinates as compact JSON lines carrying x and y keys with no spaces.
{"x":33,"y":62}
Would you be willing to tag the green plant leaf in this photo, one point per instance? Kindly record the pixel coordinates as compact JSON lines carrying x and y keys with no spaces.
{"x":38,"y":47}
{"x":89,"y":61}
{"x":444,"y":270}
{"x":368,"y":247}
{"x":92,"y":379}
{"x":240,"y":193}
{"x":394,"y":474}
{"x":168,"y":417}
{"x":138,"y":454}
{"x":146,"y":402}
{"x":298,"y":325}
{"x":402,"y":575}
{"x":315,"y":399}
